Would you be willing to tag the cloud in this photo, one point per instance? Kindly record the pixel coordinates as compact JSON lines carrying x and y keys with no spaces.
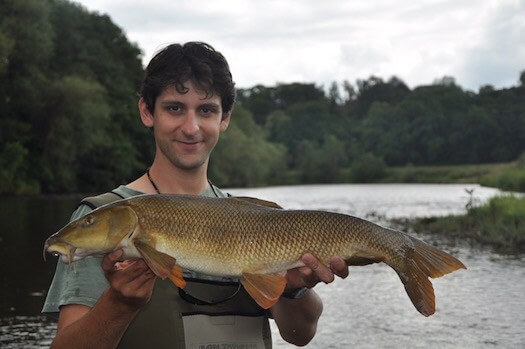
{"x":498,"y":55}
{"x":269,"y":41}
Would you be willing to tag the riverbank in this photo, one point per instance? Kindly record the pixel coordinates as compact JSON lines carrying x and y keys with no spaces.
{"x":505,"y":176}
{"x":509,"y":176}
{"x":500,"y":223}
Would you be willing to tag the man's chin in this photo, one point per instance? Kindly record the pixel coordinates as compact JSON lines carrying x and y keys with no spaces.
{"x":189,"y":164}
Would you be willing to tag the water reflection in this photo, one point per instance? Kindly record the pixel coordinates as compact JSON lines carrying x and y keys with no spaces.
{"x":481,"y":307}
{"x":30,"y":332}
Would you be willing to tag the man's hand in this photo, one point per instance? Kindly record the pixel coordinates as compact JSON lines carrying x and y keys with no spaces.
{"x":315,"y":271}
{"x":131,"y":282}
{"x":297,"y":318}
{"x":102,"y":326}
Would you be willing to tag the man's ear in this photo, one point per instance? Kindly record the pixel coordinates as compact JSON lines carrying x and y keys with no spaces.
{"x":225,"y":121}
{"x":145,"y":114}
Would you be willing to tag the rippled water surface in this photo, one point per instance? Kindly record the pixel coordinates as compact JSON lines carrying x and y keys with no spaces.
{"x":482,"y":307}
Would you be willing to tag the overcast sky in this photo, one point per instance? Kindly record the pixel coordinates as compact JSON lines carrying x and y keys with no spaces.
{"x":478,"y":42}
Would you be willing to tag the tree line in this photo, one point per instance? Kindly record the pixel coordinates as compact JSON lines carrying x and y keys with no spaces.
{"x":68,"y":118}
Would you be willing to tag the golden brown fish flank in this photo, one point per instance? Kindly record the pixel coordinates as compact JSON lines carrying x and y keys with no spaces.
{"x":251,"y":239}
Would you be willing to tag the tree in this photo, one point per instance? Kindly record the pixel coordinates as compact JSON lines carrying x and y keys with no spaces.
{"x":78,"y":120}
{"x":334,"y":96}
{"x":68,"y":80}
{"x":374,"y":89}
{"x":243,"y":157}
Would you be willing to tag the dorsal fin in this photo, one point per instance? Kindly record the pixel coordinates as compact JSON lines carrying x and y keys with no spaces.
{"x":259,"y":202}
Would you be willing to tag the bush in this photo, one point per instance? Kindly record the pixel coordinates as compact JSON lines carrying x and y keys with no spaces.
{"x":512,"y":179}
{"x":367,"y":168}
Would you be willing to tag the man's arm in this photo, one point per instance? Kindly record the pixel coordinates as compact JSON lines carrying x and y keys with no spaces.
{"x":297,"y":318}
{"x":103,"y":325}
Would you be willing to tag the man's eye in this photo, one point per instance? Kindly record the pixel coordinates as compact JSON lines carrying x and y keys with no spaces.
{"x":174,"y":108}
{"x":208,"y":110}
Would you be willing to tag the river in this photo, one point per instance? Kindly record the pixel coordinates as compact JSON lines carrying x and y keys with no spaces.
{"x":482,"y":307}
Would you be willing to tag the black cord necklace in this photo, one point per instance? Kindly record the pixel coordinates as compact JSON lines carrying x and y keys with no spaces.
{"x":157,"y":188}
{"x":151,"y":181}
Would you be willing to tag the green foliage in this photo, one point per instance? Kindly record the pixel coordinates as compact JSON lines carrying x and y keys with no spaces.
{"x":68,"y":84}
{"x":76,"y":126}
{"x":69,"y":121}
{"x":6,"y":46}
{"x":26,"y":44}
{"x":13,"y":167}
{"x":376,"y":90}
{"x":321,"y":163}
{"x":440,"y":174}
{"x":367,"y":168}
{"x":500,"y":223}
{"x":262,"y":101}
{"x":243,"y":157}
{"x":510,"y":179}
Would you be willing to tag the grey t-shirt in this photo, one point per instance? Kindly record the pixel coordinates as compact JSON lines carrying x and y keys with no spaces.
{"x":84,"y":282}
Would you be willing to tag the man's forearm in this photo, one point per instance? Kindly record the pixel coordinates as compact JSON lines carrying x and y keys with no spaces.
{"x":297,"y":318}
{"x":101,"y":327}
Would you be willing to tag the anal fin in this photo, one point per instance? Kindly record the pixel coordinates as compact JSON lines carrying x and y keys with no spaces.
{"x":363,"y":259}
{"x":163,"y":265}
{"x":265,"y":289}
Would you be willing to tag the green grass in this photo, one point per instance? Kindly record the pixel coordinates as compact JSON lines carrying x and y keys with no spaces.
{"x":512,"y":179}
{"x":506,"y":176}
{"x":499,"y":223}
{"x":444,"y":174}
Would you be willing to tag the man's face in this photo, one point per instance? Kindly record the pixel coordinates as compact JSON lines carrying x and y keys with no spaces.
{"x":186,"y":126}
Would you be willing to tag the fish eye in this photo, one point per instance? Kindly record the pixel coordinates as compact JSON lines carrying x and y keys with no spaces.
{"x":89,"y":220}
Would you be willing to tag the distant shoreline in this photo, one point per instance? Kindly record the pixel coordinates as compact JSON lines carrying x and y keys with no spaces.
{"x":508,"y":176}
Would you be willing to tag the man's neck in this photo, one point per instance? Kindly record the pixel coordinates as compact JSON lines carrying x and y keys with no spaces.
{"x":170,"y":179}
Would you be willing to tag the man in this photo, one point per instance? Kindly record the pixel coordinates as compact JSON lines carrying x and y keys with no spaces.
{"x":187,"y":99}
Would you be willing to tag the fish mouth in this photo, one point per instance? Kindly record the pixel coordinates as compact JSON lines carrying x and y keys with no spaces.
{"x":62,"y":249}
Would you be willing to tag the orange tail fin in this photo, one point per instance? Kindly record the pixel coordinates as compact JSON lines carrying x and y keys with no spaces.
{"x":421,"y":262}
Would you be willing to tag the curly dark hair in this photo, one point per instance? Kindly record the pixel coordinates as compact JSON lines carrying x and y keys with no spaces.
{"x":193,"y":61}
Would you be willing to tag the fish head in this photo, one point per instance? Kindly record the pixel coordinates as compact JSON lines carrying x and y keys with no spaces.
{"x":99,"y":232}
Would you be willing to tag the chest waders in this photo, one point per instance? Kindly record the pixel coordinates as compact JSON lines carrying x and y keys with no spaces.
{"x":208,"y":313}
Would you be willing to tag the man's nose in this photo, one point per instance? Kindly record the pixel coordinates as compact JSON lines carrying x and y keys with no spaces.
{"x":190,"y":124}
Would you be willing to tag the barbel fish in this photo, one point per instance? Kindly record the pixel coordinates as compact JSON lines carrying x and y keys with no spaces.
{"x":248,"y":238}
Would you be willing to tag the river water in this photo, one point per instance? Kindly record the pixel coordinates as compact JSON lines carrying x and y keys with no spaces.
{"x":482,"y":307}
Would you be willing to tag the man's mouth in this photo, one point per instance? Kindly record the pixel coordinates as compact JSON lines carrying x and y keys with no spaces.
{"x":189,"y":144}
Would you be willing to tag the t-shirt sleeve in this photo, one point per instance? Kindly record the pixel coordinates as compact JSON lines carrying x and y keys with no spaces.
{"x":82,"y":282}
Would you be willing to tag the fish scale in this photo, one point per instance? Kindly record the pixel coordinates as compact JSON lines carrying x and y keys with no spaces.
{"x":235,"y":234}
{"x":250,"y":239}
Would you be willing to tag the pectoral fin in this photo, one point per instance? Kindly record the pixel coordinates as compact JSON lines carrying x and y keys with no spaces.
{"x":265,"y":289}
{"x":163,"y":265}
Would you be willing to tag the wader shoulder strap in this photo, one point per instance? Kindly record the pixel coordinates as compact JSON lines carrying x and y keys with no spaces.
{"x":96,"y":201}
